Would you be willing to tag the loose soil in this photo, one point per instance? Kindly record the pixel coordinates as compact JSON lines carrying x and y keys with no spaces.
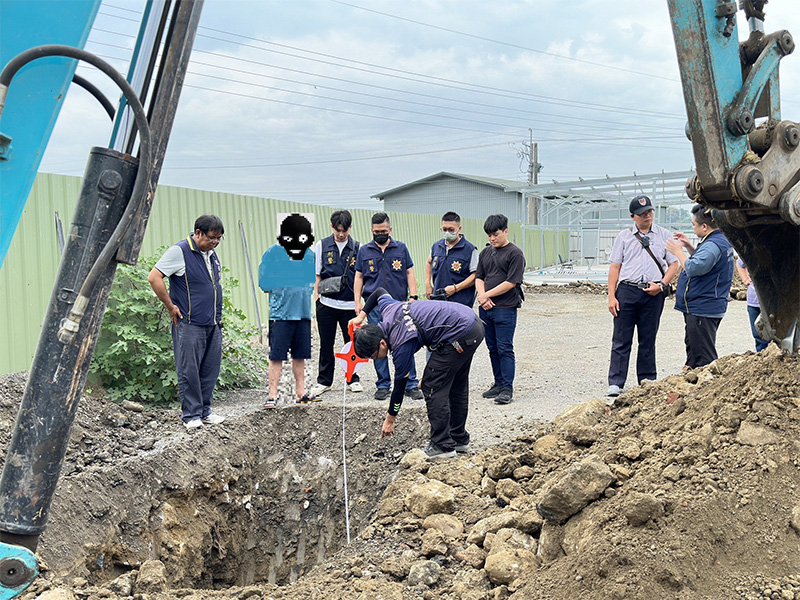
{"x":700,"y":501}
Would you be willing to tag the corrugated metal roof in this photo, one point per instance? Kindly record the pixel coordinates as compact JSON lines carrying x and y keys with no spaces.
{"x":490,"y":181}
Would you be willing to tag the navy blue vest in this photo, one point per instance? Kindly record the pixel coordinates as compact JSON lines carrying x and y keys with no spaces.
{"x":334,"y":266}
{"x":385,"y":269}
{"x":449,"y":268}
{"x":199,"y":299}
{"x":708,"y":294}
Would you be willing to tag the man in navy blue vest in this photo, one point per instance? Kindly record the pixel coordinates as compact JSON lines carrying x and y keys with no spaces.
{"x":335,"y":263}
{"x":703,"y":286}
{"x":452,"y":332}
{"x":386,"y":263}
{"x":450,"y":269}
{"x":194,"y":273}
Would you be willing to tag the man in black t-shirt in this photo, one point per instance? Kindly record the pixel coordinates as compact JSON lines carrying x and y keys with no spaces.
{"x":501,"y":265}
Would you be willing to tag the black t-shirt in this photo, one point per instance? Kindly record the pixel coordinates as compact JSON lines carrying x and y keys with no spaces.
{"x":496,"y":265}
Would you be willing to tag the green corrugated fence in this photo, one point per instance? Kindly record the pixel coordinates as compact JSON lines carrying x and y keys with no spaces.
{"x":29,"y":270}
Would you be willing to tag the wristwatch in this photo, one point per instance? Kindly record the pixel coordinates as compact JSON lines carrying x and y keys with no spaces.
{"x":414,"y":297}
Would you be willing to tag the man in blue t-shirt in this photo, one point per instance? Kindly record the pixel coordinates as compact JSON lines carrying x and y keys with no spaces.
{"x":703,"y":286}
{"x":385,"y":262}
{"x":452,"y":333}
{"x":287,"y":273}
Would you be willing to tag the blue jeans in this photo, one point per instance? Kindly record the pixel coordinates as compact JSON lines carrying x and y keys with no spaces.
{"x":500,"y":325}
{"x":198,"y":353}
{"x":753,"y":312}
{"x":382,"y":364}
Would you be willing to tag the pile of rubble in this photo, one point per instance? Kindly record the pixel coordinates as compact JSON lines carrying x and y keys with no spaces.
{"x":685,"y":488}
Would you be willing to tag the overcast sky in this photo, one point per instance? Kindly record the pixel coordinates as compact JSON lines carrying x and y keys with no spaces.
{"x":333,"y":101}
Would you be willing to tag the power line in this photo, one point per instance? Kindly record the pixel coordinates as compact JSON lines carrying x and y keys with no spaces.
{"x":450,"y":83}
{"x":502,"y":43}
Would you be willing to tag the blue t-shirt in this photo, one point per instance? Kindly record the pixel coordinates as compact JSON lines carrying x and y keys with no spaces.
{"x":290,"y":283}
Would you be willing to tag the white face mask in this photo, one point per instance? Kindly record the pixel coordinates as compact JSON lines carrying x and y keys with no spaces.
{"x":450,"y":236}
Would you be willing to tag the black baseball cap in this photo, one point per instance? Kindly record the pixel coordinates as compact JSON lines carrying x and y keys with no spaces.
{"x":640,"y":205}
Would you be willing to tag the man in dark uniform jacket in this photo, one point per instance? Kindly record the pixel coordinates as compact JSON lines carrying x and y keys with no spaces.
{"x":450,"y":269}
{"x":335,"y":256}
{"x":452,"y":333}
{"x":385,"y":262}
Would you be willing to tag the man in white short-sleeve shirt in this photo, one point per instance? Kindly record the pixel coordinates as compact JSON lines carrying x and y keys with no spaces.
{"x":638,"y":281}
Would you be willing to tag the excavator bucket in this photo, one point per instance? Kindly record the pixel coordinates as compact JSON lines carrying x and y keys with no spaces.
{"x":747,"y":159}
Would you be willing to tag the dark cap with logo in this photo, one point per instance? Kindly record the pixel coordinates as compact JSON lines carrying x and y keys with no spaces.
{"x":640,"y":205}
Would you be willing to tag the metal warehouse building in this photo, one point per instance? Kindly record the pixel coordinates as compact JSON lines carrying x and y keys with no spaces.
{"x":470,"y":196}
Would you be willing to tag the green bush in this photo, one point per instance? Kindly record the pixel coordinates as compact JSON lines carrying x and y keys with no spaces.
{"x":134,"y":360}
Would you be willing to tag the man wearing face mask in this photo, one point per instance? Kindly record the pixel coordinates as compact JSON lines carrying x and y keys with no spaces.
{"x":450,"y":269}
{"x":385,"y":263}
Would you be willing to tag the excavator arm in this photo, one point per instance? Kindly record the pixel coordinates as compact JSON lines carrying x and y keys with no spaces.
{"x":748,"y":166}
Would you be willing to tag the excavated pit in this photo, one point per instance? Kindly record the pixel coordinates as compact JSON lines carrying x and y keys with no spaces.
{"x":260,"y":499}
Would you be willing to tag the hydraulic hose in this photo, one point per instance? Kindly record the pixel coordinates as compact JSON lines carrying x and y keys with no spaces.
{"x":95,"y":91}
{"x":71,"y":324}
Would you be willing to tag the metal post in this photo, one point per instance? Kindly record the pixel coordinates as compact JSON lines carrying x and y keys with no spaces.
{"x":252,"y":283}
{"x":59,"y":233}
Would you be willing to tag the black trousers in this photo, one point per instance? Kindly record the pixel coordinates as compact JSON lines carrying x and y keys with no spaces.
{"x":700,"y":339}
{"x":643,"y":312}
{"x":445,"y":385}
{"x":327,"y":321}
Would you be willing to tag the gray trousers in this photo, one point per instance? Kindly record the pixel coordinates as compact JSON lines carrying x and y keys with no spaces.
{"x":198,"y":353}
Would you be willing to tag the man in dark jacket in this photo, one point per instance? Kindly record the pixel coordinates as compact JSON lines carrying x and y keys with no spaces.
{"x":194,"y":271}
{"x":333,"y":292}
{"x":386,"y":263}
{"x":450,"y":269}
{"x":703,"y":286}
{"x":452,"y":333}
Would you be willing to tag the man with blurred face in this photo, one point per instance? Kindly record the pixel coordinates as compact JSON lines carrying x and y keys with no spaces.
{"x":638,"y":281}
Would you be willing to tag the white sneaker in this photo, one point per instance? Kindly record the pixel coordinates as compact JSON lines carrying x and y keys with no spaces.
{"x":318,"y":389}
{"x":212,"y":419}
{"x":613,"y":391}
{"x":193,"y":424}
{"x":355,"y":387}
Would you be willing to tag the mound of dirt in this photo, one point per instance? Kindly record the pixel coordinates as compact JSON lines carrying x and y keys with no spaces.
{"x":573,"y":287}
{"x":686,"y":488}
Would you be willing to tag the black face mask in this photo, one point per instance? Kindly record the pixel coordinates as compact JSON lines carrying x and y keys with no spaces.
{"x":380,"y":238}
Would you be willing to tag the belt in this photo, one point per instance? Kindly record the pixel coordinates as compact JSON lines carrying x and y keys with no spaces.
{"x":642,"y":286}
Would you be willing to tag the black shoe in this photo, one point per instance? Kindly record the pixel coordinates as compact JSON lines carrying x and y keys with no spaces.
{"x":504,"y":397}
{"x":492,"y":392}
{"x":433,"y":451}
{"x":414,"y":394}
{"x":382,"y":393}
